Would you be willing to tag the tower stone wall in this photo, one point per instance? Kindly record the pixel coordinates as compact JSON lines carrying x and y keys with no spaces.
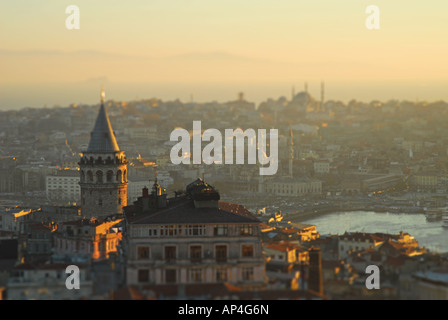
{"x":103,"y":184}
{"x":103,"y":171}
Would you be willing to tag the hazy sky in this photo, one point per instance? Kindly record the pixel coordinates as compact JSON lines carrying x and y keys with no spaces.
{"x":214,"y":48}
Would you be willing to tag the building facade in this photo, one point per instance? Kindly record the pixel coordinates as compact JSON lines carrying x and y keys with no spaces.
{"x":293,"y":187}
{"x":86,"y":240}
{"x":64,"y":185}
{"x":195,"y":239}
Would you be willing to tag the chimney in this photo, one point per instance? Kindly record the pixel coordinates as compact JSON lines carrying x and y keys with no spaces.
{"x":145,"y":192}
{"x":315,"y":279}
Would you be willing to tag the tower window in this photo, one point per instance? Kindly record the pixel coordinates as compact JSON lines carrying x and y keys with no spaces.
{"x":100,"y":202}
{"x":99,"y":176}
{"x":90,"y":175}
{"x":109,"y":175}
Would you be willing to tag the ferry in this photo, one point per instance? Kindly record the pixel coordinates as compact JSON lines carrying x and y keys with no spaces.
{"x":434,"y":214}
{"x":445,"y":220}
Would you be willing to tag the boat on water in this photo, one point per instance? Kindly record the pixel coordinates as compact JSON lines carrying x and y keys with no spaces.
{"x":445,"y":220}
{"x":434,"y":214}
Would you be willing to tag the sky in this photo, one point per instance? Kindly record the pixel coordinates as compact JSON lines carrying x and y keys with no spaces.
{"x":209,"y":50}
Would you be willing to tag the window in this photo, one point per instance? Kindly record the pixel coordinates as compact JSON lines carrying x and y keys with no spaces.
{"x":195,"y":253}
{"x":170,"y":230}
{"x":246,"y":230}
{"x":195,"y":230}
{"x":99,"y":176}
{"x":221,"y":253}
{"x":143,"y":275}
{"x":247,"y":250}
{"x":170,"y":276}
{"x":221,"y":274}
{"x":143,"y":253}
{"x":248,"y":274}
{"x":196,"y":275}
{"x":152,"y":232}
{"x":109,"y":176}
{"x":220,"y":230}
{"x":170,"y":253}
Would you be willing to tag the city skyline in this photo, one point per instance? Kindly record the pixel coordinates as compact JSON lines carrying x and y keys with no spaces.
{"x":65,"y":203}
{"x":245,"y":150}
{"x":211,"y":51}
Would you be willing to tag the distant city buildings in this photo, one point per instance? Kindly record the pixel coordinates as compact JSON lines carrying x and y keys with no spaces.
{"x":142,"y":228}
{"x":63,"y":186}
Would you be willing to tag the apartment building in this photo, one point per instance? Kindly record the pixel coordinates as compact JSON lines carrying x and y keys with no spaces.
{"x":192,"y":239}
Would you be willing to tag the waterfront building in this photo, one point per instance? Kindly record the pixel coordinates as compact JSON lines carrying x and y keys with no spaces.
{"x":357,"y":241}
{"x":293,"y":187}
{"x":425,"y":181}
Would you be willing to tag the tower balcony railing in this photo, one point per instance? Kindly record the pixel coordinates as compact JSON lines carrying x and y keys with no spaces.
{"x":106,"y":162}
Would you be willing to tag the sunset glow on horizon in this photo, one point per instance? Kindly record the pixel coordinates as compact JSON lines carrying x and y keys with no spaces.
{"x":211,"y":48}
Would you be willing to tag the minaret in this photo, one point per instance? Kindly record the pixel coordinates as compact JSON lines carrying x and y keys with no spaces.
{"x":103,"y":171}
{"x":291,"y":151}
{"x":322,"y":95}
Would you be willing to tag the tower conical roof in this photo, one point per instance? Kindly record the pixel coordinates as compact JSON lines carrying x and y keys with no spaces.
{"x":102,"y":138}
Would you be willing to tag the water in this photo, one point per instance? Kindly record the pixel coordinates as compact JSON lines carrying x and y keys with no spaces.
{"x":429,"y":234}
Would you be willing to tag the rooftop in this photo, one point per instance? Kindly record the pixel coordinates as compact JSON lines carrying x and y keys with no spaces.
{"x":184,"y":211}
{"x":102,"y":138}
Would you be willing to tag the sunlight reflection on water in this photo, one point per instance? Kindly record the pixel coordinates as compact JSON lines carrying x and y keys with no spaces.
{"x":429,"y":234}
